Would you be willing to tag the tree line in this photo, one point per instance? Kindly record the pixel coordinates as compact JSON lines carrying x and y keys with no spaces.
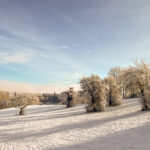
{"x":132,"y":81}
{"x":129,"y":82}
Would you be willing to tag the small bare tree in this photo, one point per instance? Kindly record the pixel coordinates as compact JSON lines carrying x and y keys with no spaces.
{"x":21,"y":101}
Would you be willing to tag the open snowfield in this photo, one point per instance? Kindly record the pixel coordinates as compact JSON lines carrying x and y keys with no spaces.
{"x":55,"y":127}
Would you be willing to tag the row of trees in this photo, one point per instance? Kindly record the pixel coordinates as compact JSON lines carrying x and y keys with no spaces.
{"x":101,"y":93}
{"x":132,"y":81}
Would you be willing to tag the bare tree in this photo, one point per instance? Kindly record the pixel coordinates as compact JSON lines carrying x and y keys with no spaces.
{"x":21,"y":101}
{"x":95,"y":92}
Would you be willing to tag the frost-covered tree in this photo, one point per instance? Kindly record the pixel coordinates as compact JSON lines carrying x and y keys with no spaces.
{"x":139,"y":75}
{"x":81,"y":97}
{"x":129,"y":86}
{"x":21,"y":101}
{"x":115,"y":73}
{"x":94,"y":89}
{"x":113,"y":91}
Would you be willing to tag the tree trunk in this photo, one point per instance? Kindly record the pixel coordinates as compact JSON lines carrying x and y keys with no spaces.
{"x":110,"y":99}
{"x":123,"y":93}
{"x":22,"y":111}
{"x":70,"y":101}
{"x":93,"y":100}
{"x":144,"y":103}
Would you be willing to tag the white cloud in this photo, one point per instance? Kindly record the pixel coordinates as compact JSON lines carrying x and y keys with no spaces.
{"x":21,"y":87}
{"x":17,"y":57}
{"x":64,"y":46}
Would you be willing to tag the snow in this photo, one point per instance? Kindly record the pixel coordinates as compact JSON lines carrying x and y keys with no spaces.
{"x":58,"y":128}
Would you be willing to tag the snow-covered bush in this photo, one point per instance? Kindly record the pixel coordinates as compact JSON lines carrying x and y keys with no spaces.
{"x":94,"y":89}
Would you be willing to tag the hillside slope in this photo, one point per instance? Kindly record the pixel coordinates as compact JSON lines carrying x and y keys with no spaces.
{"x":55,"y":127}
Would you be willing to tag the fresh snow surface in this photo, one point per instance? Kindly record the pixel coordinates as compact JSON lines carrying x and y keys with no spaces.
{"x":58,"y":128}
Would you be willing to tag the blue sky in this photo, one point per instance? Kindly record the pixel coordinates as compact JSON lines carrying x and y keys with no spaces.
{"x":47,"y":42}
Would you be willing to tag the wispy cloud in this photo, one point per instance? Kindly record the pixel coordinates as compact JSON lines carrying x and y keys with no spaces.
{"x":64,"y":46}
{"x":17,"y":57}
{"x":68,"y":19}
{"x":58,"y":56}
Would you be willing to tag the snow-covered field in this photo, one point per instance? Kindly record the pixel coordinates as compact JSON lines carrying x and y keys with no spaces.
{"x":55,"y":127}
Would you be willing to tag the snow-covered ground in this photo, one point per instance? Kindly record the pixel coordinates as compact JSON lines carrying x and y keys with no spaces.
{"x":55,"y":127}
